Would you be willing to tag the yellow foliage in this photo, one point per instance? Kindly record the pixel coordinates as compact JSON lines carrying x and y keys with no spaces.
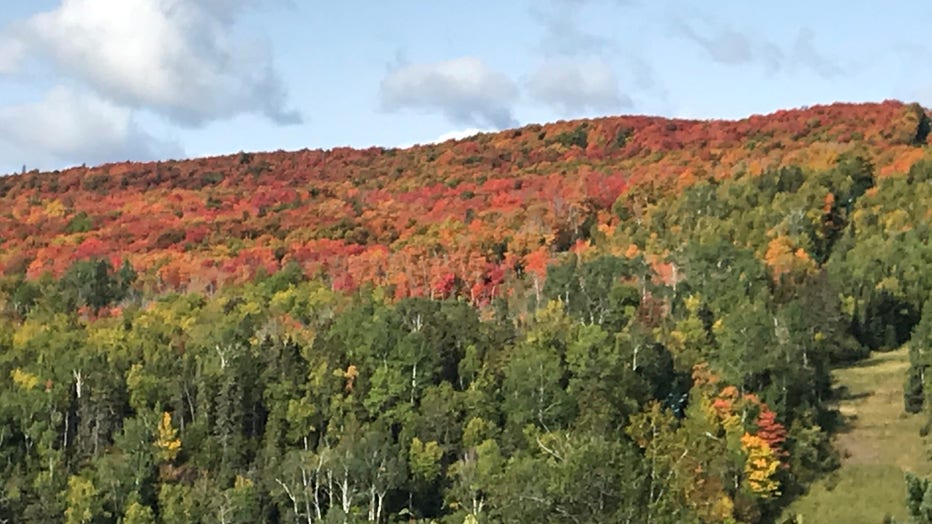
{"x":692,"y":303}
{"x":761,"y":466}
{"x":552,"y":314}
{"x":723,"y":509}
{"x":677,"y":339}
{"x":24,"y":379}
{"x":897,"y":221}
{"x":889,"y":284}
{"x":718,"y":327}
{"x":350,"y":375}
{"x":731,"y":423}
{"x":27,"y":332}
{"x":161,"y":314}
{"x":242,"y":482}
{"x":55,"y":209}
{"x":168,"y":442}
{"x":80,"y":496}
{"x":105,"y":336}
{"x":137,"y":513}
{"x":283,"y":301}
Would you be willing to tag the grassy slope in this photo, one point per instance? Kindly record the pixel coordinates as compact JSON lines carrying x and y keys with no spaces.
{"x":879,"y":443}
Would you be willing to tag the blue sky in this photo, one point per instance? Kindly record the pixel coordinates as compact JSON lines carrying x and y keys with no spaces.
{"x":92,"y":81}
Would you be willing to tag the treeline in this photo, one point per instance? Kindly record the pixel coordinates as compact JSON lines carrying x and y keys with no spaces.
{"x":675,"y":369}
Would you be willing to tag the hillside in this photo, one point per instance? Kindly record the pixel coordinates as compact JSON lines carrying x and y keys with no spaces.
{"x":624,"y":319}
{"x":473,"y":208}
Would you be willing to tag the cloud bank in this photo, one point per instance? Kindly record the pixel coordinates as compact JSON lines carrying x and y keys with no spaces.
{"x":174,"y":57}
{"x":73,"y":127}
{"x":574,"y":86}
{"x":464,"y":89}
{"x":574,"y":77}
{"x":182,"y":60}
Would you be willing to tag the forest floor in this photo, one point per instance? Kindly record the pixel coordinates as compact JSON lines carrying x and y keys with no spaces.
{"x":878,"y":443}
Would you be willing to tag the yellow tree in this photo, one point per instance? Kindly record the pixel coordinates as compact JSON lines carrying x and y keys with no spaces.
{"x":81,"y":498}
{"x":168,"y":442}
{"x":761,"y":466}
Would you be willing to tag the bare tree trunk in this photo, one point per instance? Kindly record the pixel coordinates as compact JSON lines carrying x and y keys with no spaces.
{"x":345,"y":500}
{"x":380,"y":506}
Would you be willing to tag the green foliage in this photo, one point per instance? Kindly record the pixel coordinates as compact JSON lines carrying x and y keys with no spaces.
{"x":211,"y":178}
{"x":622,"y":137}
{"x":918,"y":387}
{"x":80,"y":223}
{"x":578,"y":137}
{"x":94,"y":284}
{"x":919,"y":499}
{"x":923,"y":124}
{"x":97,"y":182}
{"x":604,"y":291}
{"x":23,"y":296}
{"x":137,"y":513}
{"x":81,"y":501}
{"x":424,"y":459}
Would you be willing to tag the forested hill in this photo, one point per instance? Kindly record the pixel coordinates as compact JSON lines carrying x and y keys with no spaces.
{"x":410,"y":219}
{"x":624,"y":319}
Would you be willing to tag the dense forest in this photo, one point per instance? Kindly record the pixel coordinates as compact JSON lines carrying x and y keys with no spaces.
{"x":619,"y":320}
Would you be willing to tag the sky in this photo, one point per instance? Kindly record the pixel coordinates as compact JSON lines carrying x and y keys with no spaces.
{"x":95,"y":81}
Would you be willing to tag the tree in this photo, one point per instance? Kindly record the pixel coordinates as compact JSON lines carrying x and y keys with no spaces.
{"x":475,"y":472}
{"x":918,"y":387}
{"x":91,"y":283}
{"x":919,"y":499}
{"x":167,"y":440}
{"x":599,"y":291}
{"x":534,"y":379}
{"x":137,"y":513}
{"x":82,"y":505}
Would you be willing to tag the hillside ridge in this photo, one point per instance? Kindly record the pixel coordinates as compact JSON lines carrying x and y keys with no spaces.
{"x":634,"y":122}
{"x":498,"y":196}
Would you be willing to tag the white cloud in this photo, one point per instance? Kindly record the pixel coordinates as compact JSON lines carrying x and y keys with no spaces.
{"x":576,"y":77}
{"x":74,"y":127}
{"x":459,"y":135}
{"x":179,"y":58}
{"x":464,"y":89}
{"x":11,"y":53}
{"x":574,"y":87}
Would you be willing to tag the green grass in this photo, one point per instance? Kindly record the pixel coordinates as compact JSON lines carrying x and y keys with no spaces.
{"x":878,"y":444}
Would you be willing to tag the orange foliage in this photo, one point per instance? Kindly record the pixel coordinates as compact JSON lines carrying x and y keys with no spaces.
{"x":783,"y":258}
{"x":469,"y":208}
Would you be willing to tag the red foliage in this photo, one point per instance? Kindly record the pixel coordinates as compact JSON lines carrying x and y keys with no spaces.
{"x":771,"y":431}
{"x":482,"y":209}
